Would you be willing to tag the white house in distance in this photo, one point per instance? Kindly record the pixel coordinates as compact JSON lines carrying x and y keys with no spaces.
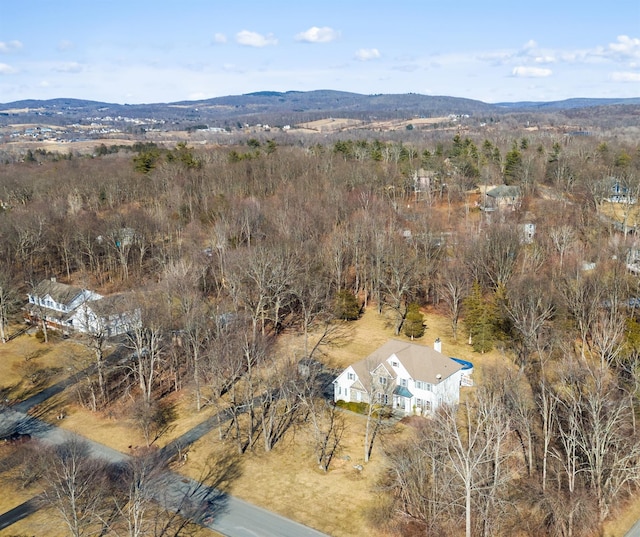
{"x":413,"y":378}
{"x":72,"y":309}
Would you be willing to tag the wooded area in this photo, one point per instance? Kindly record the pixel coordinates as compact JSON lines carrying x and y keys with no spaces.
{"x":225,"y":248}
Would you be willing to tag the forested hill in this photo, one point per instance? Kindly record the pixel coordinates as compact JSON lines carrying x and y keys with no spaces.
{"x":283,"y":107}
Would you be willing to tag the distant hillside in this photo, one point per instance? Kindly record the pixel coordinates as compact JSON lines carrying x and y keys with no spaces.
{"x":568,"y":104}
{"x":280,"y":108}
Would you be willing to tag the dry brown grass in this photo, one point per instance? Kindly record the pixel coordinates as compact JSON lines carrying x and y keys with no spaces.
{"x":27,"y":365}
{"x":622,"y":212}
{"x":287,"y":481}
{"x":622,"y":521}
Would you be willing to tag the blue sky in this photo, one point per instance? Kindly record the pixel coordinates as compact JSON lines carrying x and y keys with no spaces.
{"x":136,"y":51}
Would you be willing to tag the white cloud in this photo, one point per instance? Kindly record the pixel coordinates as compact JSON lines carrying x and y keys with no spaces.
{"x":626,"y":46}
{"x":6,"y":69}
{"x":544,"y":59}
{"x":10,"y":46}
{"x":254,"y":39}
{"x":68,"y":67}
{"x":531,"y":72}
{"x":219,"y":38}
{"x":318,"y":35}
{"x":65,"y":44}
{"x":366,"y":54}
{"x":530,"y":45}
{"x":625,"y":76}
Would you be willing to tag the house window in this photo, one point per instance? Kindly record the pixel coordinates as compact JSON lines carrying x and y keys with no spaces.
{"x":420,"y":385}
{"x":394,"y":363}
{"x":424,"y":405}
{"x":404,"y":383}
{"x":351,"y":376}
{"x":383,"y":381}
{"x":382,"y":398}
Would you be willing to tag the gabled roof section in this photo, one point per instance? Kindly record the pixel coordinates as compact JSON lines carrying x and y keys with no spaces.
{"x":60,"y":292}
{"x":504,"y":191}
{"x":111,"y":305}
{"x":421,"y":362}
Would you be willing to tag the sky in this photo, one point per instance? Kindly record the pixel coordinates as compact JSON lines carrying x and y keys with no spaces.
{"x":144,"y":51}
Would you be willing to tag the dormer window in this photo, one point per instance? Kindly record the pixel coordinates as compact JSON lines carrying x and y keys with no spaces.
{"x":394,"y":363}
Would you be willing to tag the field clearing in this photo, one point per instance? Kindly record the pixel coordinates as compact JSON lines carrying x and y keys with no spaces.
{"x":330,"y":124}
{"x":621,"y":212}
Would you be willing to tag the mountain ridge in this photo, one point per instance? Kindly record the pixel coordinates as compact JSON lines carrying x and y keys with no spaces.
{"x":276,"y":107}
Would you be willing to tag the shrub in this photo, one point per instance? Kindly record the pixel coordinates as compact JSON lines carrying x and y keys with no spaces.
{"x":347,"y":307}
{"x":414,"y":322}
{"x":353,"y":406}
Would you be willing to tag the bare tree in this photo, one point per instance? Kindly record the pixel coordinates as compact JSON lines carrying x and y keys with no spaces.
{"x":75,"y":486}
{"x":529,"y":306}
{"x":147,"y":341}
{"x":454,"y":286}
{"x":497,"y":253}
{"x":8,"y":301}
{"x":563,"y":238}
{"x":475,"y":453}
{"x":378,"y":385}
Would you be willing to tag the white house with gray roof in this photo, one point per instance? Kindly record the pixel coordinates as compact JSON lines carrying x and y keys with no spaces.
{"x":412,"y":378}
{"x":73,"y":309}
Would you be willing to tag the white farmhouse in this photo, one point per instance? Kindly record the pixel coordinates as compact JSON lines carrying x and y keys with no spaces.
{"x":72,"y":309}
{"x":414,"y":379}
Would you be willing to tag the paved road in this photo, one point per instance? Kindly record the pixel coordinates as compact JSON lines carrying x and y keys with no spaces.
{"x":18,"y":513}
{"x":207,"y":506}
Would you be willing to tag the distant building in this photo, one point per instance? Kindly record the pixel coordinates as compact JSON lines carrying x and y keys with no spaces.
{"x":502,"y":197}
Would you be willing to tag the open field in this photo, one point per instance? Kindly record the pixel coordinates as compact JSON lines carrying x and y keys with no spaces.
{"x":332,"y":125}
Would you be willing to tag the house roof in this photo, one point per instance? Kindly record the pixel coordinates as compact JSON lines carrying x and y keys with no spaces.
{"x":111,"y":304}
{"x":421,"y":362}
{"x":504,"y":191}
{"x":60,"y":292}
{"x":402,"y":391}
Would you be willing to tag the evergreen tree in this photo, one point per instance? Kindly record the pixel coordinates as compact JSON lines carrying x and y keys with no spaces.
{"x":481,"y":317}
{"x":347,"y":307}
{"x":414,"y":322}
